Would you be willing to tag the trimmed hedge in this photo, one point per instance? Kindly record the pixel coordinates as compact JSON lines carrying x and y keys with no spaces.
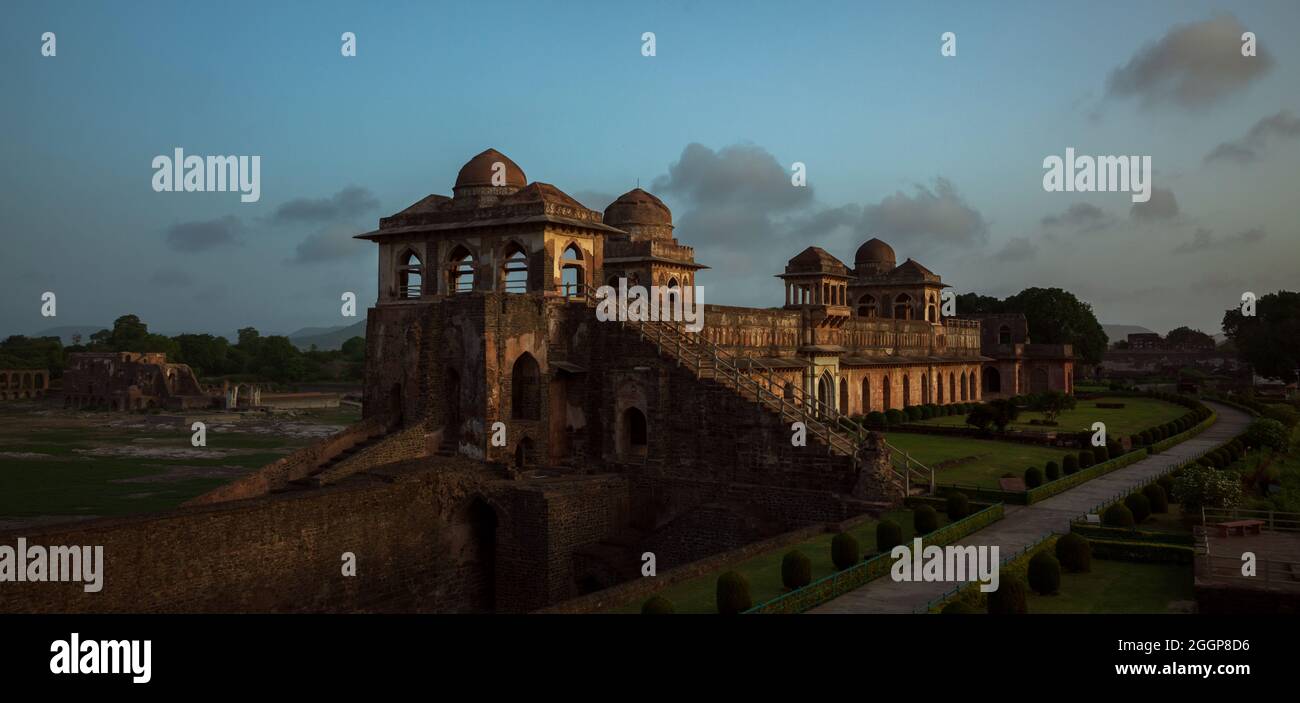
{"x":1157,"y":498}
{"x":1074,"y":553}
{"x":1045,"y":574}
{"x":1143,"y":552}
{"x":657,"y":605}
{"x":845,"y":551}
{"x":924,"y":520}
{"x":1009,"y":599}
{"x":733,"y":594}
{"x":1117,"y":515}
{"x":1051,"y":471}
{"x":1070,"y":464}
{"x":796,"y":570}
{"x":958,"y":505}
{"x":1033,"y":477}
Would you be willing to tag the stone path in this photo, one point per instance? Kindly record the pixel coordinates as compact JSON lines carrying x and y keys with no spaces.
{"x":1024,"y":525}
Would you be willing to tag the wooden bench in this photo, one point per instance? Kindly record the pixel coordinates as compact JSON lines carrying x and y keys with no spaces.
{"x":1241,"y":527}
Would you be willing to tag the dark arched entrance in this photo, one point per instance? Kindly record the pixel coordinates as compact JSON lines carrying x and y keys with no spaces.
{"x":632,"y":434}
{"x":992,"y":380}
{"x":481,"y":552}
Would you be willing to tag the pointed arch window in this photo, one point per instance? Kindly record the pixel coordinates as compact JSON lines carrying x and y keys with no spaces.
{"x":410,"y":275}
{"x":572,"y":279}
{"x":515,"y":271}
{"x":460,"y":277}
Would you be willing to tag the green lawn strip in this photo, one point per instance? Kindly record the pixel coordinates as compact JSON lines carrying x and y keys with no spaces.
{"x":1118,"y":587}
{"x":1137,"y":414}
{"x":763,"y":571}
{"x":991,"y":458}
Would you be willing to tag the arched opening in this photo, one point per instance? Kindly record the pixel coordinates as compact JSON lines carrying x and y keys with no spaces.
{"x":1038,"y":382}
{"x":952,"y":386}
{"x":824,"y":385}
{"x":525,"y":453}
{"x":460,"y":278}
{"x":867,"y":306}
{"x":410,"y":275}
{"x":930,"y":315}
{"x":844,"y":396}
{"x":515,"y":270}
{"x":525,"y":382}
{"x":963,"y":387}
{"x":632,"y":434}
{"x":992,"y":380}
{"x":866,"y":394}
{"x":1004,"y":335}
{"x":571,"y":274}
{"x":903,"y":307}
{"x":938,"y":388}
{"x":925,"y":389}
{"x":788,"y":392}
{"x":907,"y":391}
{"x":885,"y":387}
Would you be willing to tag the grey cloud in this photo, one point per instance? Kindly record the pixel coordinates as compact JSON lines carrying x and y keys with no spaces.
{"x":1282,"y":125}
{"x":331,"y":244}
{"x":1192,"y":66}
{"x":1077,"y":215}
{"x":1017,"y":249}
{"x":190,"y":237}
{"x":342,"y":206}
{"x":594,"y":199}
{"x":929,"y":218}
{"x":741,"y":174}
{"x":1162,"y":206}
{"x":1204,"y":240}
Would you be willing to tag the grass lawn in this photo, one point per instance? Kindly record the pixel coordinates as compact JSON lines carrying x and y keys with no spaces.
{"x":1137,"y":414}
{"x":1118,"y":587}
{"x":698,"y":595}
{"x":984,"y":461}
{"x":79,"y":464}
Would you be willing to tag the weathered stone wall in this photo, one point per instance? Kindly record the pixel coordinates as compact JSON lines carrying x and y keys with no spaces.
{"x":280,"y":553}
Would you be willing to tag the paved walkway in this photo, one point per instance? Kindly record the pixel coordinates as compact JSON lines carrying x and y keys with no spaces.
{"x":1024,"y":525}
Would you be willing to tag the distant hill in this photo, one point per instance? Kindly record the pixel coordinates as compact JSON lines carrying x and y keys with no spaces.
{"x":1121,"y":332}
{"x":327,"y":338}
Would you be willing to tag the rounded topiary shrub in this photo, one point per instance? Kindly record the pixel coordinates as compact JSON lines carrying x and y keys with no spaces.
{"x":1086,"y":459}
{"x":657,"y":605}
{"x":925,"y":519}
{"x":1158,"y":498}
{"x":889,"y":534}
{"x":796,"y":570}
{"x":1033,"y":477}
{"x":733,"y":594}
{"x":1051,"y":471}
{"x":958,"y":506}
{"x":1009,"y":599}
{"x":845,"y":551}
{"x":875,"y":418}
{"x":1166,"y":483}
{"x":895,"y":416}
{"x":1070,"y":464}
{"x":1074,"y":553}
{"x":1101,"y":454}
{"x":913,"y":412}
{"x":1117,"y":516}
{"x":957,"y":608}
{"x":1139,"y":506}
{"x":1044,"y":574}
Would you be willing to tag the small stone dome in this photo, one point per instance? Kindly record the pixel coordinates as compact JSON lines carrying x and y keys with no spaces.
{"x":479,"y":170}
{"x":875,"y":251}
{"x":637,"y":207}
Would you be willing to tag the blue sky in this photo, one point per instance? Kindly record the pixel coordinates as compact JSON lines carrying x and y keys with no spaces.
{"x":857,"y":91}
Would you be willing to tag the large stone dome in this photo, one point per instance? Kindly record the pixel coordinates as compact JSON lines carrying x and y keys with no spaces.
{"x":479,"y":170}
{"x":875,"y":251}
{"x":637,"y":207}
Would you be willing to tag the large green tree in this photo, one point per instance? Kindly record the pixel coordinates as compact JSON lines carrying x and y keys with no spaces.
{"x":1269,"y":340}
{"x":1055,"y":316}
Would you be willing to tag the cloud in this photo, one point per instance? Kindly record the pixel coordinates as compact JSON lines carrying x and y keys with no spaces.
{"x":739,"y":175}
{"x":1204,"y":240}
{"x":594,"y":199}
{"x":171,"y":278}
{"x":1017,"y":249}
{"x":929,"y":218}
{"x":1283,"y":125}
{"x":1162,"y":206}
{"x":1077,"y":215}
{"x":191,"y":237}
{"x":334,"y":243}
{"x":340,"y":207}
{"x":1192,"y":66}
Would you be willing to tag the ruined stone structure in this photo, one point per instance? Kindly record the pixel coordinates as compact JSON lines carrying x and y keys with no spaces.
{"x":131,"y":381}
{"x":1017,"y":366}
{"x":23,"y":384}
{"x":517,"y":450}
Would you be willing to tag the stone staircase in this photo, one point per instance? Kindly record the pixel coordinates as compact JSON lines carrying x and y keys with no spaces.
{"x":311,"y":480}
{"x":754,"y":382}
